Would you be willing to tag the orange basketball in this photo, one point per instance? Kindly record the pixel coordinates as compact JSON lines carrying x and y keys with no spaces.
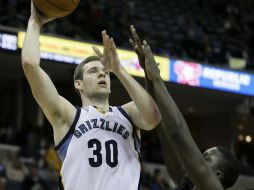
{"x":56,"y":8}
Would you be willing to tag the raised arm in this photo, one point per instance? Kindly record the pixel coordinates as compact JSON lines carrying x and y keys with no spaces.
{"x":59,"y":111}
{"x":170,"y":155}
{"x":192,"y":159}
{"x":143,"y":111}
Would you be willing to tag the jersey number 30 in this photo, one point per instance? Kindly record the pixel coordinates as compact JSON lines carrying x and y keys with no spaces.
{"x":111,"y":153}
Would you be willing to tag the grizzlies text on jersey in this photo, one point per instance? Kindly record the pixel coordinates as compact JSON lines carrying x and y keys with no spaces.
{"x":100,"y":152}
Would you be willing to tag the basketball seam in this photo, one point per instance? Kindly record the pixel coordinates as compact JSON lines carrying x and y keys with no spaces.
{"x":74,"y":2}
{"x":57,"y":6}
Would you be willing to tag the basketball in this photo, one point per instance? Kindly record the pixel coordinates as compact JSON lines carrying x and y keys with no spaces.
{"x":56,"y":8}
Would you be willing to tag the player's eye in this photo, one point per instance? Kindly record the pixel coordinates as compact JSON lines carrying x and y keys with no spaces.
{"x":106,"y":71}
{"x":93,"y":71}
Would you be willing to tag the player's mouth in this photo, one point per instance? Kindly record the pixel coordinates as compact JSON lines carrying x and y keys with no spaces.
{"x":102,"y":83}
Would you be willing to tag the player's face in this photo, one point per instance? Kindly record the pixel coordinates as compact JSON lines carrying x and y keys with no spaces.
{"x":212,"y":158}
{"x":96,"y":79}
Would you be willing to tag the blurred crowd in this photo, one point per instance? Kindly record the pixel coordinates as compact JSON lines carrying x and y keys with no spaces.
{"x":24,"y":173}
{"x":32,"y":165}
{"x":207,"y":31}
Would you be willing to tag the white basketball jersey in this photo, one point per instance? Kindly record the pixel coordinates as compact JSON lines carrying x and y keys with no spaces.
{"x":100,"y":152}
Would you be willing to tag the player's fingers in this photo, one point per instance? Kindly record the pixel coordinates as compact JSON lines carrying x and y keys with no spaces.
{"x":113,"y":45}
{"x":140,"y":51}
{"x":148,"y":49}
{"x":146,"y":45}
{"x":132,"y":43}
{"x":137,"y":50}
{"x":112,"y":42}
{"x":104,"y":38}
{"x":32,"y":6}
{"x":107,"y":40}
{"x":135,"y":46}
{"x":136,"y":36}
{"x":108,"y":45}
{"x":148,"y":53}
{"x":144,"y":49}
{"x":97,"y":51}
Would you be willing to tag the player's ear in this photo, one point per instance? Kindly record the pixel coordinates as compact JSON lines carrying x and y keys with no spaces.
{"x":219,"y":174}
{"x":78,"y":84}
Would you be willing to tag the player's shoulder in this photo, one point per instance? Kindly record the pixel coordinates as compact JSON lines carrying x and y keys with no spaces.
{"x":119,"y":110}
{"x":128,"y":107}
{"x":122,"y":113}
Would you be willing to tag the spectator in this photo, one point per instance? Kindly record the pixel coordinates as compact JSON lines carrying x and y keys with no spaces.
{"x":16,"y":172}
{"x":33,"y":181}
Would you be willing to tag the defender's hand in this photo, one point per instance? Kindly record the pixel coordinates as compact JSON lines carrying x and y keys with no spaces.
{"x":109,"y":57}
{"x":39,"y":17}
{"x":137,"y":45}
{"x":152,"y":68}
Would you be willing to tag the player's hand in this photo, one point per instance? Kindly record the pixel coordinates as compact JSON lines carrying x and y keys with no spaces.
{"x":39,"y":17}
{"x":109,"y":57}
{"x":137,"y":45}
{"x":152,"y":68}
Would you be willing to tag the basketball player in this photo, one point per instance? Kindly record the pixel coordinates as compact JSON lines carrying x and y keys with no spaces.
{"x":216,"y":169}
{"x":98,"y":144}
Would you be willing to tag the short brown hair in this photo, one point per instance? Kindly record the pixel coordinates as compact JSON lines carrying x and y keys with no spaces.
{"x":78,"y":73}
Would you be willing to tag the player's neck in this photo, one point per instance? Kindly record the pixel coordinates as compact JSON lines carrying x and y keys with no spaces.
{"x":100,"y":103}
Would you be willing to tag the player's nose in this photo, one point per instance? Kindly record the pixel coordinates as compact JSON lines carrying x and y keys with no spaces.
{"x":102,"y":73}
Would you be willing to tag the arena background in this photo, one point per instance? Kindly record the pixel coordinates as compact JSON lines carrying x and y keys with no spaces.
{"x":193,"y":36}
